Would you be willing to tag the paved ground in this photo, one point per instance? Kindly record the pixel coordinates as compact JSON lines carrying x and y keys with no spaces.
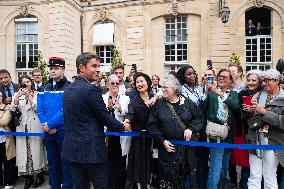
{"x":20,"y":182}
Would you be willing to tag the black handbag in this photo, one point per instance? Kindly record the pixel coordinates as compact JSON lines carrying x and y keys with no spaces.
{"x":17,"y":117}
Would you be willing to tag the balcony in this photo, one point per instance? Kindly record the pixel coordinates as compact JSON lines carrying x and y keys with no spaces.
{"x":258,"y":52}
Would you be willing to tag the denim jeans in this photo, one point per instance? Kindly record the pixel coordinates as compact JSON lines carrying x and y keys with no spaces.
{"x":219,"y":164}
{"x":202,"y":168}
{"x":58,"y":168}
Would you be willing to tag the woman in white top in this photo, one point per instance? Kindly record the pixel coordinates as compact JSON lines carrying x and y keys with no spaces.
{"x":190,"y":89}
{"x":118,"y":147}
{"x":31,"y":157}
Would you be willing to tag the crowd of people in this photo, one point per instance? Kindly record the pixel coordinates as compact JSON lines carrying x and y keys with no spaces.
{"x":224,"y":107}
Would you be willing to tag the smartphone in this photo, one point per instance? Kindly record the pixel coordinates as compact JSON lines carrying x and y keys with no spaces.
{"x":210,"y":80}
{"x":247,"y":100}
{"x":209,"y":64}
{"x":134,"y":66}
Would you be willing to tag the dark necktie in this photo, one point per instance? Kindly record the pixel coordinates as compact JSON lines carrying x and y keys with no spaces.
{"x":38,"y":88}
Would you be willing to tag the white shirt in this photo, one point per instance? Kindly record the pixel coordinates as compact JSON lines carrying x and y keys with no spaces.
{"x":193,"y":94}
{"x":125,"y":141}
{"x":122,"y":89}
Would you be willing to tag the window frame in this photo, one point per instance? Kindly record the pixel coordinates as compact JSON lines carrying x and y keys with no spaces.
{"x":103,"y":63}
{"x":176,"y":41}
{"x":256,"y":53}
{"x":26,"y":35}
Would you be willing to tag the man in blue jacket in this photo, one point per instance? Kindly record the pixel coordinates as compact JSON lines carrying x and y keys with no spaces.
{"x":85,"y":117}
{"x":50,"y":113}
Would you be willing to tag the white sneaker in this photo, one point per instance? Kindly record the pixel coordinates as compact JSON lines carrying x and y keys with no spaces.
{"x":8,"y":187}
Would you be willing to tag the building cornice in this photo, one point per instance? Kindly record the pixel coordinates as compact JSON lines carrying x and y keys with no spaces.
{"x":93,"y":5}
{"x":75,"y":3}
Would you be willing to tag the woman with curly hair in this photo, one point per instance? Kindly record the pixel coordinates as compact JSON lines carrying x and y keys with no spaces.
{"x":188,"y":78}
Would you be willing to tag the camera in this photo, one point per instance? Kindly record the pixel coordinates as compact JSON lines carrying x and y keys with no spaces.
{"x":23,"y":85}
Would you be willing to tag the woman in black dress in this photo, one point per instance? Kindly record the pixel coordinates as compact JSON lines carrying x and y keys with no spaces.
{"x":164,"y":125}
{"x":138,"y":111}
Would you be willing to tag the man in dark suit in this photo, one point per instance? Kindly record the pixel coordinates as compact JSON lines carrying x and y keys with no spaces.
{"x":85,"y":116}
{"x":38,"y":84}
{"x":8,"y":88}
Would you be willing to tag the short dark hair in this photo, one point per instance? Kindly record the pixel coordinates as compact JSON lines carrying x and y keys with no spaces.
{"x":84,"y":59}
{"x":173,"y":73}
{"x":239,"y":68}
{"x":156,"y":76}
{"x":35,"y":71}
{"x":280,"y":65}
{"x":146,"y":77}
{"x":4,"y":71}
{"x":117,"y":66}
{"x":181,"y":74}
{"x":228,"y":71}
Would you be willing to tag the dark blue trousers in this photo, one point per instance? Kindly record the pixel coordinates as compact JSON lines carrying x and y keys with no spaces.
{"x":59,"y":171}
{"x":83,"y":173}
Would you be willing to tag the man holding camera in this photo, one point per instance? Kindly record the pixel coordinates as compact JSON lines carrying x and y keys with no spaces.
{"x":50,"y":113}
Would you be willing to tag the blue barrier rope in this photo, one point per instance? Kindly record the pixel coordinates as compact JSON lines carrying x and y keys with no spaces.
{"x":134,"y":134}
{"x":185,"y":143}
{"x":226,"y":145}
{"x":20,"y":134}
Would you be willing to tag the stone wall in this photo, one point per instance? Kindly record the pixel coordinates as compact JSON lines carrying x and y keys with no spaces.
{"x":139,"y":30}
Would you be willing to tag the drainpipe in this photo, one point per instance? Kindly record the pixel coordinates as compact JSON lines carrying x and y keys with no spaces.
{"x":81,"y":30}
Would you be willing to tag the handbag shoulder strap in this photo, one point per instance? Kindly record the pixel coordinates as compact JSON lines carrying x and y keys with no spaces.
{"x":182,"y":125}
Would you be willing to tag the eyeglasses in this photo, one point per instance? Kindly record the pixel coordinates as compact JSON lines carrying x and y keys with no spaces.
{"x":223,"y":77}
{"x":266,"y":80}
{"x":114,"y":83}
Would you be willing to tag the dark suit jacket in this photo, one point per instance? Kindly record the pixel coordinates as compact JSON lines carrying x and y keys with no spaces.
{"x":85,"y":116}
{"x":40,"y":89}
{"x":15,"y":86}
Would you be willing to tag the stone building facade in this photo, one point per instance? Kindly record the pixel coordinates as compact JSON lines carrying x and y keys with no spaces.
{"x":156,"y":35}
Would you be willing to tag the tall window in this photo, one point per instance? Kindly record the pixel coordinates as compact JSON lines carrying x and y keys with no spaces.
{"x":176,"y":45}
{"x":26,"y":30}
{"x":106,"y":54}
{"x":258,"y":52}
{"x":258,"y":39}
{"x":103,"y":41}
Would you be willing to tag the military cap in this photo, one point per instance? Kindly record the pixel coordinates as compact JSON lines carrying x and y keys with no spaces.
{"x":56,"y":61}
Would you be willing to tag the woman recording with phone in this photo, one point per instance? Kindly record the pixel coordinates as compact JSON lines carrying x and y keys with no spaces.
{"x":266,"y":126}
{"x":30,"y":152}
{"x":220,"y":106}
{"x":118,"y":147}
{"x":238,"y":156}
